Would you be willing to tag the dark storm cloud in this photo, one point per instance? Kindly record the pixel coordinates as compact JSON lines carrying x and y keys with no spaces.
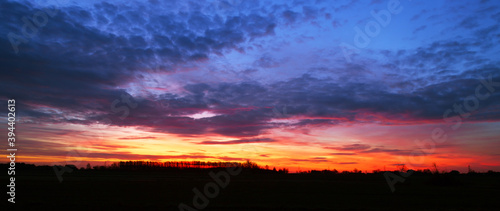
{"x":127,"y":39}
{"x":244,"y":109}
{"x":304,"y":96}
{"x":75,"y":62}
{"x":230,"y":122}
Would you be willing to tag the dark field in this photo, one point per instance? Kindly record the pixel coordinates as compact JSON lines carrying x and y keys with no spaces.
{"x":162,"y":190}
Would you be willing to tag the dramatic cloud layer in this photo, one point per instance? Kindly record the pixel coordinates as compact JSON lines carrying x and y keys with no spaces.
{"x":273,"y":75}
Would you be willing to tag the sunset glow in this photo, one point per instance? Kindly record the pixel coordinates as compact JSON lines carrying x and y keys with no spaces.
{"x":268,"y":82}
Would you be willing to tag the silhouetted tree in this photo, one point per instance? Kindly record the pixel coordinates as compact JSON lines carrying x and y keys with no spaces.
{"x":470,"y":171}
{"x":436,"y":171}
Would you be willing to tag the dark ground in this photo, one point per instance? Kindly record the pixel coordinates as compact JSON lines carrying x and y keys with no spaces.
{"x":161,"y":190}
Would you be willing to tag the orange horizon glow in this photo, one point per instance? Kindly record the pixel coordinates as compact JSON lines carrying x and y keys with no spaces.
{"x":379,"y":147}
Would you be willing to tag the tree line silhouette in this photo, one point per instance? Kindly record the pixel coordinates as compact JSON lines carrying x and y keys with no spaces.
{"x":247,"y":165}
{"x":172,"y":165}
{"x":181,"y":164}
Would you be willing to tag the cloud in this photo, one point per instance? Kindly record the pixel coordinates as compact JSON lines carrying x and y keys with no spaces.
{"x":312,"y":160}
{"x":266,"y":61}
{"x":290,"y":16}
{"x":397,"y":152}
{"x":351,"y":147}
{"x":239,"y":141}
{"x":420,"y":28}
{"x":361,"y":149}
{"x":342,"y":153}
{"x":86,"y":57}
{"x":469,"y":22}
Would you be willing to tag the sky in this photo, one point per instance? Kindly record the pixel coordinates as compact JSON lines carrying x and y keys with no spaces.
{"x":296,"y":84}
